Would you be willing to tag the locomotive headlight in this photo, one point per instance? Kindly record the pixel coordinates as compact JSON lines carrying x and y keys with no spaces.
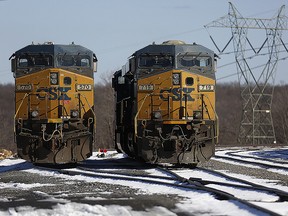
{"x":176,"y":78}
{"x":34,"y":113}
{"x":54,"y":78}
{"x":197,"y":115}
{"x":74,"y":113}
{"x":157,"y":115}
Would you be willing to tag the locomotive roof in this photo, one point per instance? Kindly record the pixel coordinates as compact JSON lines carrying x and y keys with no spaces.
{"x":174,"y":49}
{"x":54,"y":49}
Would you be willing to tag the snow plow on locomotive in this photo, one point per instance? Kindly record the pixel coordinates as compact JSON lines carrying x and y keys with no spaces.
{"x":54,"y":102}
{"x":165,"y":104}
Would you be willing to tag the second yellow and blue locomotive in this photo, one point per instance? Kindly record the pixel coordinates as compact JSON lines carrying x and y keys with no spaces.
{"x":54,"y":102}
{"x":165,"y":104}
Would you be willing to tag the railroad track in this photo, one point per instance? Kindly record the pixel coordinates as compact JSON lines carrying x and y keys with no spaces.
{"x":256,"y":161}
{"x":169,"y":177}
{"x":237,"y":183}
{"x":283,"y":195}
{"x":234,"y":154}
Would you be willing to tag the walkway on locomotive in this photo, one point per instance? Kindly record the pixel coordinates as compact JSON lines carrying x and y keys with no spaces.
{"x":187,"y":74}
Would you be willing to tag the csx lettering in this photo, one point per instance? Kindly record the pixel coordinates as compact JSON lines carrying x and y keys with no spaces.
{"x":176,"y":94}
{"x":54,"y":93}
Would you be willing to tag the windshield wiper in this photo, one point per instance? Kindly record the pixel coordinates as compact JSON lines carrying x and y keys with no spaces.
{"x":198,"y":55}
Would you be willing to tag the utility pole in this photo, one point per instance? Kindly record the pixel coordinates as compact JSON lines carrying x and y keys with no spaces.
{"x":256,"y":88}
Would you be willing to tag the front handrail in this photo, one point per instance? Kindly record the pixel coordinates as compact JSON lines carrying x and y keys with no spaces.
{"x":17,"y":111}
{"x":22,"y":100}
{"x":143,"y":100}
{"x":216,"y":119}
{"x":210,"y":105}
{"x":136,"y":116}
{"x":91,"y":108}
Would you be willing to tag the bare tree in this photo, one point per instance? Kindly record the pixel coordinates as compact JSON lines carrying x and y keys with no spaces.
{"x":228,"y":106}
{"x":280,"y":113}
{"x":229,"y":110}
{"x":7,"y":117}
{"x":104,"y":109}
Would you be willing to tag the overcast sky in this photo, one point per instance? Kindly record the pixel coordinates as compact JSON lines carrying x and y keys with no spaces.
{"x":115,"y":29}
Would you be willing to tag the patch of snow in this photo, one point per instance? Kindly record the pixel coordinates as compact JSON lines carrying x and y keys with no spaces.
{"x":194,"y":202}
{"x":22,"y":186}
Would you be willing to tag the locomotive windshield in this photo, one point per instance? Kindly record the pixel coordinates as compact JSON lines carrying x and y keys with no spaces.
{"x":35,"y":58}
{"x":194,"y":60}
{"x":74,"y":60}
{"x":155,"y":61}
{"x":30,"y":61}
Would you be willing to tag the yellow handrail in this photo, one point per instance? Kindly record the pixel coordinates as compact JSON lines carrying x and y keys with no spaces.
{"x":136,"y":116}
{"x":216,"y":119}
{"x":16,"y":113}
{"x":94,"y":114}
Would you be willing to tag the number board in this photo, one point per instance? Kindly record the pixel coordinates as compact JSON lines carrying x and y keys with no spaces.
{"x":23,"y":87}
{"x":83,"y":87}
{"x":206,"y":88}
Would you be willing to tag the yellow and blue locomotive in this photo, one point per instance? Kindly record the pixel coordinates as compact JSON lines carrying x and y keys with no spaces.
{"x":165,"y":104}
{"x":54,"y":102}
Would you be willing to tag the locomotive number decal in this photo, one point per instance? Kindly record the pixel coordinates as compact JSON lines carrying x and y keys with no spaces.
{"x":176,"y":94}
{"x":146,"y":87}
{"x":23,"y":87}
{"x":54,"y":93}
{"x":206,"y":88}
{"x":83,"y":87}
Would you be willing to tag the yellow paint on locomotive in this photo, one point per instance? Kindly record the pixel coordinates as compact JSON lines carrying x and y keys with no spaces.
{"x":54,"y":102}
{"x":46,"y":98}
{"x":157,"y":93}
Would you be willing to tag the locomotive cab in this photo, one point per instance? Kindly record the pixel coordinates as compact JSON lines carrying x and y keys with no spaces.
{"x":165,"y":104}
{"x":54,"y":102}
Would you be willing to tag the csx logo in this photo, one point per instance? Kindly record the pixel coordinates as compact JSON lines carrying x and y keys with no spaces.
{"x":54,"y":93}
{"x":176,"y":94}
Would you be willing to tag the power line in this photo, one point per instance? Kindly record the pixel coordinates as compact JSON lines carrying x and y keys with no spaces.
{"x":250,"y":57}
{"x":107,"y":50}
{"x":245,"y":50}
{"x":257,"y":124}
{"x":5,"y":71}
{"x":259,"y":66}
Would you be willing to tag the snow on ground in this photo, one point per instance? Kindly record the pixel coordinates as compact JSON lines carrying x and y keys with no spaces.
{"x":194,"y":202}
{"x":280,"y":154}
{"x":251,"y":196}
{"x":87,"y":210}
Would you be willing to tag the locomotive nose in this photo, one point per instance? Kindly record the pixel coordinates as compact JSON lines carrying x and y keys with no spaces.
{"x":54,"y":116}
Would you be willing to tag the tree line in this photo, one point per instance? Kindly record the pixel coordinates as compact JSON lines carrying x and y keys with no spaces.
{"x":228,"y":106}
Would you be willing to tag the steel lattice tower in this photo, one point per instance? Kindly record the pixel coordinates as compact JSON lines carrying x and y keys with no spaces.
{"x":256,"y":88}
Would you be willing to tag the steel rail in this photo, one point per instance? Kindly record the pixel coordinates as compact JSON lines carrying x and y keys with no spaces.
{"x":271,"y":166}
{"x":184,"y":184}
{"x":283,"y":195}
{"x":256,"y":158}
{"x":225,"y":195}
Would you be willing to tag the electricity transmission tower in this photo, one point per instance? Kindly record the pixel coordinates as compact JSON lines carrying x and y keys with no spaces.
{"x":256,"y":88}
